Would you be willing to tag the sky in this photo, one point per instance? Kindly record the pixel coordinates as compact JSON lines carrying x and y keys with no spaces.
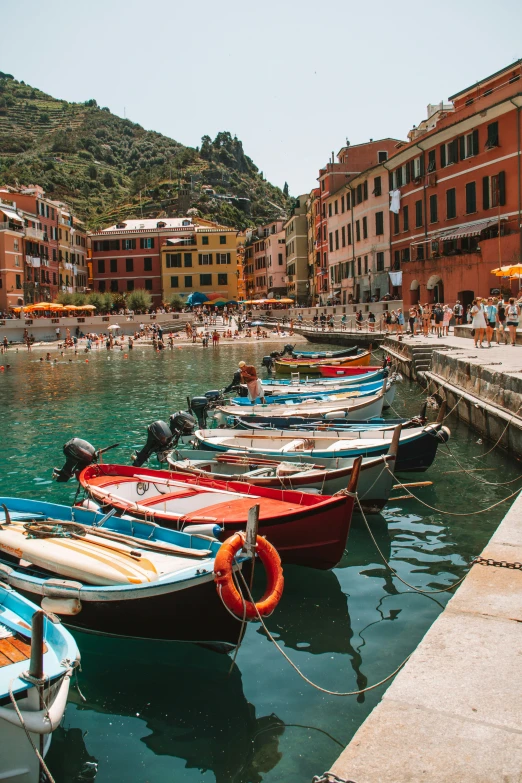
{"x":293,"y":79}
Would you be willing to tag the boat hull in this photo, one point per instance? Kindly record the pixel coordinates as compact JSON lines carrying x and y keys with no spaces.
{"x":310,"y":530}
{"x":313,"y":365}
{"x":374,"y":486}
{"x":353,"y":409}
{"x":325,"y":354}
{"x":328,"y":371}
{"x":416,"y":452}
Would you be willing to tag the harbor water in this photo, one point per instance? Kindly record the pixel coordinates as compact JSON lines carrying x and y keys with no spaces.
{"x":157,"y":711}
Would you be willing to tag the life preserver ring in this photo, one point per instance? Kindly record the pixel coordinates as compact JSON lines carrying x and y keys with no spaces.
{"x":230,"y":595}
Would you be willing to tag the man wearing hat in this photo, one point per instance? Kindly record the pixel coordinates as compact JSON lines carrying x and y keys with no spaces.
{"x":254,"y":385}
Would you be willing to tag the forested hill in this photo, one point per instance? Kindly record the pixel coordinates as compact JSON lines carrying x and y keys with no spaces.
{"x":109,"y":168}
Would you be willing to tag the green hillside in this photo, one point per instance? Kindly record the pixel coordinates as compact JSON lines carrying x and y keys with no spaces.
{"x":110,"y":168}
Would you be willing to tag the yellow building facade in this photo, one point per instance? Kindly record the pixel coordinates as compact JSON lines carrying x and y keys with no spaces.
{"x":207,"y":262}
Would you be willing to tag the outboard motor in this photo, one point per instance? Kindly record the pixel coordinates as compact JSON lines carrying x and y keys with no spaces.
{"x":213,"y":395}
{"x":181,"y":424}
{"x":236,"y":382}
{"x":159,"y":439}
{"x":199,"y":407}
{"x":288,"y":349}
{"x":268,"y":362}
{"x":78,"y":454}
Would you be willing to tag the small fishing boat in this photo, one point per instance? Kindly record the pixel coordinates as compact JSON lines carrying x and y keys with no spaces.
{"x":305,"y":529}
{"x":334,"y":394}
{"x":115,"y":575}
{"x":313,"y":365}
{"x":352,"y":408}
{"x":416,"y":452}
{"x":325,"y":354}
{"x":336,"y":370}
{"x":247,"y":422}
{"x":37,"y":659}
{"x":283,"y":385}
{"x":330,"y":476}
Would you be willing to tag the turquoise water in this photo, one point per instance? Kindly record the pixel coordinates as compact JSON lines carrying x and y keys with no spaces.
{"x":171,"y":712}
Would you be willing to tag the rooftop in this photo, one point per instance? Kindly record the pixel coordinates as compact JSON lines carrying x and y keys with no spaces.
{"x":148,"y":224}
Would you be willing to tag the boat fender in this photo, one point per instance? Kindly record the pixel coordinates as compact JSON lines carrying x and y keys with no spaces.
{"x":224,"y":579}
{"x":61,"y":588}
{"x":332,"y":415}
{"x":67,"y":606}
{"x":92,"y":505}
{"x":203,"y":530}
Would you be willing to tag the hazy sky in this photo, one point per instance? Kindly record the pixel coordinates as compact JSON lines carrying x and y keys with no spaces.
{"x":293,"y":79}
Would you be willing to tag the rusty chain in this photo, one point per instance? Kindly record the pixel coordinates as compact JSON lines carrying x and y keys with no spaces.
{"x":488,"y":561}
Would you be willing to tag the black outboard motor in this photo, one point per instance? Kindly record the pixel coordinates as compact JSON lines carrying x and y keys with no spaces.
{"x":288,"y":349}
{"x":181,"y":424}
{"x":213,"y":396}
{"x":159,"y":439}
{"x":78,"y":454}
{"x":199,"y":407}
{"x":236,"y":382}
{"x":268,"y":362}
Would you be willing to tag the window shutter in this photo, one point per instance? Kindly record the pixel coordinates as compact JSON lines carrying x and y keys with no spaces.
{"x":475,"y":142}
{"x":443,"y":156}
{"x":485,"y":192}
{"x":462,"y":142}
{"x":455,"y":151}
{"x":365,"y":190}
{"x":502,"y":188}
{"x":390,"y":180}
{"x":422,"y":166}
{"x":408,"y":171}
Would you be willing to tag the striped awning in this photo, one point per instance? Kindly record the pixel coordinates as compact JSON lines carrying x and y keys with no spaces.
{"x":469,"y":230}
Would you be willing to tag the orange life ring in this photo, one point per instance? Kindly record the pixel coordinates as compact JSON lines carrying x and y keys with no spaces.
{"x":227,"y":589}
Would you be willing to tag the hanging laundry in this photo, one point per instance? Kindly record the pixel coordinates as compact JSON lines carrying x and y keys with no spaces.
{"x":396,"y":278}
{"x":395,"y":201}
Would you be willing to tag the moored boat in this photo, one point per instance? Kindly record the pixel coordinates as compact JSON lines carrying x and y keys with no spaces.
{"x":336,"y":370}
{"x":284,"y":385}
{"x":352,"y":408}
{"x":416,"y":452}
{"x":117,"y":576}
{"x":330,"y":394}
{"x":325,"y":354}
{"x":293,"y":472}
{"x":305,"y":529}
{"x":313,"y":365}
{"x":37,"y":658}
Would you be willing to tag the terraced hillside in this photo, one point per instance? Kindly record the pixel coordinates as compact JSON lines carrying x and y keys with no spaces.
{"x":110,"y":168}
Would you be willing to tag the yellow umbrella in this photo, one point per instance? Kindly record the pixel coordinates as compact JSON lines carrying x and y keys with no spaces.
{"x":501,"y":271}
{"x":86,"y":307}
{"x":70,"y":307}
{"x":515,"y":269}
{"x":285,"y":301}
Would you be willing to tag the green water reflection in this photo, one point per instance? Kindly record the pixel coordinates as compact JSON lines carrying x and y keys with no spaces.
{"x":171,"y":712}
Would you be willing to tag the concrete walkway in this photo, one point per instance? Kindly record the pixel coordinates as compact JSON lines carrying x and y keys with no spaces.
{"x":454,"y":714}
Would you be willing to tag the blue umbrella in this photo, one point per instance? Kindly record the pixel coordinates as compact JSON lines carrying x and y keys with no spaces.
{"x":197,"y":298}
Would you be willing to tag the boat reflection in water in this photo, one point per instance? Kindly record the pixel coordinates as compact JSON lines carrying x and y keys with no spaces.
{"x":190,"y":700}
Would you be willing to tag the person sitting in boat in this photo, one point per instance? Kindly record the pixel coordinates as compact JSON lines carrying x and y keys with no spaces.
{"x":254,"y":385}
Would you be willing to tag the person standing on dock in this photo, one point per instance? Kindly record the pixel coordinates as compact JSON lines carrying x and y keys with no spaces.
{"x":478,"y":322}
{"x":458,"y":312}
{"x":491,"y":320}
{"x":501,"y":320}
{"x":512,"y":315}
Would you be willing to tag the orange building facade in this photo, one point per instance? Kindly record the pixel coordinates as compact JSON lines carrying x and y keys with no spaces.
{"x":457,"y":187}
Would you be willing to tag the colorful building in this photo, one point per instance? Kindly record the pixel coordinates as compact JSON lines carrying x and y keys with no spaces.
{"x":30,"y":260}
{"x":127,"y":256}
{"x":296,"y":236}
{"x":457,"y":192}
{"x":359,"y":238}
{"x":204,"y":262}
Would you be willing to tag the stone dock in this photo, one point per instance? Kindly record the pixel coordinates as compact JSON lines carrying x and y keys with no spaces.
{"x":483,"y":386}
{"x":453,"y":713}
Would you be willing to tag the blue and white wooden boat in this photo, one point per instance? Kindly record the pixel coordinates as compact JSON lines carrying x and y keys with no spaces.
{"x":350,"y":408}
{"x":36,"y":664}
{"x":282,"y":385}
{"x":416,"y":452}
{"x":115,"y":575}
{"x":331,"y":394}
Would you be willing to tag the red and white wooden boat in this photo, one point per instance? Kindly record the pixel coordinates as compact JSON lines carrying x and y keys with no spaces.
{"x":306,"y":529}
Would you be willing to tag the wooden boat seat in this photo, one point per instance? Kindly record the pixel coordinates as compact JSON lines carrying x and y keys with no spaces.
{"x":14,"y":650}
{"x":176,"y":494}
{"x":237,"y":510}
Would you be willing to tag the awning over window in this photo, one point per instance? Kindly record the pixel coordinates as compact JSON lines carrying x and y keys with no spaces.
{"x":469,"y":230}
{"x":11,"y":214}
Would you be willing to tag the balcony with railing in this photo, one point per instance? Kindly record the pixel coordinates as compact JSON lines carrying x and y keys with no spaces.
{"x":8,"y":225}
{"x":34,"y":233}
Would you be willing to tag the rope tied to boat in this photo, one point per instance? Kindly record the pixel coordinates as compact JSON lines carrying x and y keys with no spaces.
{"x":27,"y":734}
{"x":57,"y":530}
